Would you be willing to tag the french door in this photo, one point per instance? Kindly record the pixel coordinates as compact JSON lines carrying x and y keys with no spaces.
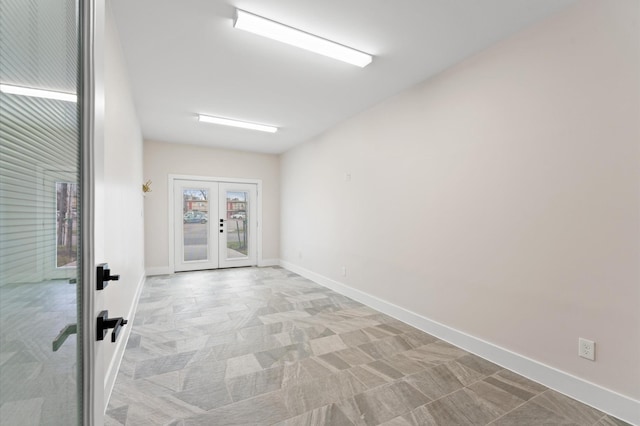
{"x":214,"y":224}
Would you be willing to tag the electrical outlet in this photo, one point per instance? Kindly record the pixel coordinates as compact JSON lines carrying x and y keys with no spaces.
{"x":587,"y":349}
{"x":344,"y":271}
{"x":300,"y":254}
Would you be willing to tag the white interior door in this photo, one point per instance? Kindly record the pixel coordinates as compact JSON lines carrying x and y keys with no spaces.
{"x":48,"y":350}
{"x":214,"y":224}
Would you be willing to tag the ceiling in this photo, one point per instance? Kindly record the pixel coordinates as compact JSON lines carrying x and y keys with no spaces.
{"x":184,"y":57}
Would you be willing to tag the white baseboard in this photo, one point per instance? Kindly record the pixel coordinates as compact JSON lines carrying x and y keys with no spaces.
{"x":159,"y":270}
{"x":114,"y":365}
{"x":269,"y":262}
{"x":603,"y":399}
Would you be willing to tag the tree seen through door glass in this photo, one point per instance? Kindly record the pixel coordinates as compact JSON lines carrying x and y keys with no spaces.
{"x":237,"y":234}
{"x":66,"y":224}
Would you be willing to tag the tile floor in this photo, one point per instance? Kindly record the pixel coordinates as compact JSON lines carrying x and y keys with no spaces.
{"x":263,"y":346}
{"x":37,"y":386}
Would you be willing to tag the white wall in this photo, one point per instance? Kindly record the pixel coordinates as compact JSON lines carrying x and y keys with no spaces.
{"x":121,"y":192}
{"x":162,"y":159}
{"x":500,"y":198}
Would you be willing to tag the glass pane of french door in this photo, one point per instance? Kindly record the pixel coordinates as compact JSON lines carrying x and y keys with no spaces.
{"x":40,"y":298}
{"x":236,"y":217}
{"x":195,"y":224}
{"x":196,"y":211}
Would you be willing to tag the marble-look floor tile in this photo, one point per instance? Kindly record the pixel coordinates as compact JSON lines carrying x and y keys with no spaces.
{"x":370,"y":378}
{"x":386,"y":347}
{"x":248,"y":347}
{"x":13,"y":412}
{"x":148,"y":410}
{"x":358,"y":323}
{"x":354,"y":356}
{"x":400,"y":421}
{"x":171,"y":380}
{"x":497,"y":399}
{"x":319,"y":392}
{"x":435,"y":382}
{"x":417,"y":338}
{"x":383,"y":369}
{"x":116,"y":416}
{"x":250,"y":385}
{"x":200,"y":373}
{"x":531,"y":414}
{"x":212,"y":396}
{"x":327,"y":344}
{"x":386,"y":402}
{"x":265,"y":409}
{"x":611,"y":421}
{"x":304,"y":334}
{"x":356,"y":337}
{"x":306,"y":297}
{"x":436,"y":353}
{"x":323,"y":416}
{"x":284,"y":316}
{"x":305,"y":370}
{"x":478,"y":364}
{"x":249,"y":333}
{"x":419,"y":416}
{"x":334,"y":361}
{"x":405,"y":365}
{"x":242,"y":365}
{"x":162,"y":365}
{"x":463,"y":407}
{"x":283,"y":355}
{"x":567,"y":407}
{"x":515,"y":384}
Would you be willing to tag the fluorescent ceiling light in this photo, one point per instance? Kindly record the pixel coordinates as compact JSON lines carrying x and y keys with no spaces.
{"x":236,"y":123}
{"x":38,"y":93}
{"x":285,"y":34}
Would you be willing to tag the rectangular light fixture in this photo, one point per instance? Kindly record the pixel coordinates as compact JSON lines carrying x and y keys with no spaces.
{"x":276,"y":31}
{"x":236,"y":123}
{"x":38,"y":93}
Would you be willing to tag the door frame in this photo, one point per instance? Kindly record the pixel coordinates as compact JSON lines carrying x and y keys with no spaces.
{"x":92,"y":16}
{"x":171,"y":215}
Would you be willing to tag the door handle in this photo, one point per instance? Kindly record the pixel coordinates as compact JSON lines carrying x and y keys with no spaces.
{"x":67,"y":331}
{"x":105,"y":323}
{"x":104,"y":276}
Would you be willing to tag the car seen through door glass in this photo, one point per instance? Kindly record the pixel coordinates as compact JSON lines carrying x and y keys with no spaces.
{"x":195,"y":217}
